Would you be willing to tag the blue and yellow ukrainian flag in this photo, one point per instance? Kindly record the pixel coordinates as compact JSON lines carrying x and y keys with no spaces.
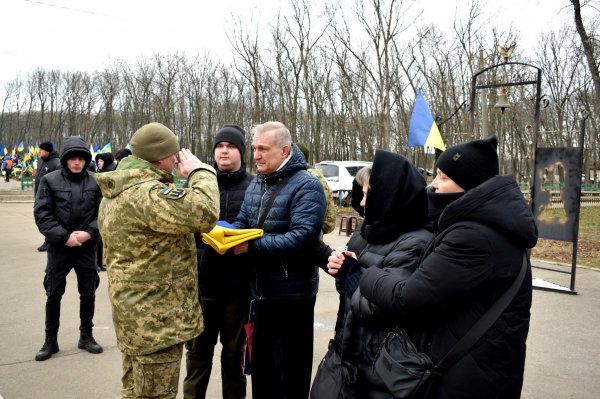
{"x":106,"y":149}
{"x":422,"y":130}
{"x":21,"y":146}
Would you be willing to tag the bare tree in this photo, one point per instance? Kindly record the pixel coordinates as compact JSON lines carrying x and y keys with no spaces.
{"x":245,"y":44}
{"x":591,"y":49}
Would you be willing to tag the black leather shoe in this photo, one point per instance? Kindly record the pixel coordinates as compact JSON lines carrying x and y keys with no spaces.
{"x":87,"y":342}
{"x":43,"y":247}
{"x":50,"y":348}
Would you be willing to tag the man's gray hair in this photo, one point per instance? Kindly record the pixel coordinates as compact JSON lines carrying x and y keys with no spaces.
{"x":283,"y":136}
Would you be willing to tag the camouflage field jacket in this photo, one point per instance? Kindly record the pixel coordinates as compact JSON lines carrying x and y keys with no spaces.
{"x":330,"y":210}
{"x":150,"y":253}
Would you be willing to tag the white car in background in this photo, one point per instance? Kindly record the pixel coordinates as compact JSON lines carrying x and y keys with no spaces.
{"x":340,"y":174}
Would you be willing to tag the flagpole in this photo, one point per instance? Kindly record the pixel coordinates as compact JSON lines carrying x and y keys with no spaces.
{"x":483,"y":101}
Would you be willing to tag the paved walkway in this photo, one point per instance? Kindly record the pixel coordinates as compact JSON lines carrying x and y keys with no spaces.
{"x":563,"y":358}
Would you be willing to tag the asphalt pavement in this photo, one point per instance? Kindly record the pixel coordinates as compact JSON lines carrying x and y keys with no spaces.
{"x":563,"y":356}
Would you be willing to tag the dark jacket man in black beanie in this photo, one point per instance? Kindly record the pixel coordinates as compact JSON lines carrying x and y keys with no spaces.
{"x":66,"y":213}
{"x":222,"y":281}
{"x":122,"y":153}
{"x":48,"y":162}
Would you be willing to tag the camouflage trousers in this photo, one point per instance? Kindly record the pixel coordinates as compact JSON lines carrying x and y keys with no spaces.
{"x":152,"y":376}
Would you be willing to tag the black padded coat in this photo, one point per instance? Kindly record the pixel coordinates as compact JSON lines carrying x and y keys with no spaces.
{"x":66,"y":202}
{"x":395,"y":231}
{"x":46,"y":165}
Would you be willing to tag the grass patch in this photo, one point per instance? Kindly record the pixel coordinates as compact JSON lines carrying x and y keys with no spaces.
{"x":588,"y":248}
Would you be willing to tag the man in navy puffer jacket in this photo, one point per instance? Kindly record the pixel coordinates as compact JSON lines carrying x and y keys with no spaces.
{"x":286,"y":278}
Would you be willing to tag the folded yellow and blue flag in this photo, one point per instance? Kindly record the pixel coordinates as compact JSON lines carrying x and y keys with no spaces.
{"x":224,"y":236}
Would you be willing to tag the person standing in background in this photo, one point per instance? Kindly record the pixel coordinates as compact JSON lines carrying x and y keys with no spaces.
{"x":223,"y":281}
{"x":122,"y":153}
{"x":49,"y":161}
{"x":331,"y":211}
{"x":7,"y":167}
{"x":106,"y":162}
{"x":66,"y":213}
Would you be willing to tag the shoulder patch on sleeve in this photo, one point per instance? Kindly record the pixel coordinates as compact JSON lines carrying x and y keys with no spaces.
{"x":172,"y":193}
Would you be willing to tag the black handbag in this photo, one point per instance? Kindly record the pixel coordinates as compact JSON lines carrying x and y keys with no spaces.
{"x":402,"y":368}
{"x":334,"y":378}
{"x":405,"y":371}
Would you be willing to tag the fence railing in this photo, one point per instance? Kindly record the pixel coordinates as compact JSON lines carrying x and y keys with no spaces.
{"x":588,"y":198}
{"x":559,"y":186}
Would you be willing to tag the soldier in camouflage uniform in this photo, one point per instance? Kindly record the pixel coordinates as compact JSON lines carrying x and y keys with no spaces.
{"x":147,"y":227}
{"x":330,"y":210}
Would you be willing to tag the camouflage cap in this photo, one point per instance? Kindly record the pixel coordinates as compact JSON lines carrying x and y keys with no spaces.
{"x":153,"y":142}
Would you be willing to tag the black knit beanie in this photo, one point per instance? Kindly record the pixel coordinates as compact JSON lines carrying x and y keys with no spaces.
{"x":234,"y":135}
{"x":122,"y":153}
{"x":47,"y":146}
{"x":472,"y":163}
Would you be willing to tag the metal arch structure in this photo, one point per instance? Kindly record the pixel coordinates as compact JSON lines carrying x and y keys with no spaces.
{"x":532,"y":75}
{"x":533,"y":78}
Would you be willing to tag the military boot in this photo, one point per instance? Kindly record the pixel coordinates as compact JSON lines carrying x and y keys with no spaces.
{"x":49,"y":348}
{"x":87,"y":342}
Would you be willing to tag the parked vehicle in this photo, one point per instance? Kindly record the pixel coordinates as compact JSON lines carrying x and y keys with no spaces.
{"x":340,"y":174}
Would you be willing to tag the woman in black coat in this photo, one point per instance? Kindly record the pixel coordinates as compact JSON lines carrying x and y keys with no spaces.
{"x":392,"y":237}
{"x":483,"y":227}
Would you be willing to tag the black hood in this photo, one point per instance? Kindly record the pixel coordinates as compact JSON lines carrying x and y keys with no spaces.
{"x":75,"y":146}
{"x":396,"y":200}
{"x":107,"y":157}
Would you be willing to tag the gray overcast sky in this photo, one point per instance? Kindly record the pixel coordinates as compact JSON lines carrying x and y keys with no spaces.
{"x":89,"y":34}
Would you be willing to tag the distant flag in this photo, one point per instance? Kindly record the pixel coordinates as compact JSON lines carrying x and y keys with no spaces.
{"x":20,"y":147}
{"x":3,"y":149}
{"x":422,"y":130}
{"x":14,"y":151}
{"x":106,"y":149}
{"x":32,"y":150}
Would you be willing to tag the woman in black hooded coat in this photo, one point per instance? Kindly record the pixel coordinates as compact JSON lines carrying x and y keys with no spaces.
{"x":483,"y":227}
{"x":395,"y":234}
